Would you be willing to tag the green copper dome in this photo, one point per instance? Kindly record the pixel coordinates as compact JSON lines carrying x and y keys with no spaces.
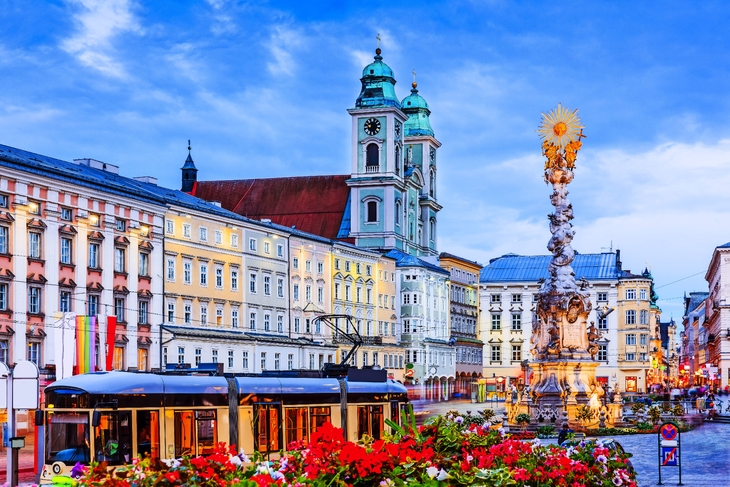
{"x":378,"y":85}
{"x":417,"y":110}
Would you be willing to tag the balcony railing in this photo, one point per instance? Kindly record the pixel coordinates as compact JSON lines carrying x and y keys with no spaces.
{"x":369,"y":169}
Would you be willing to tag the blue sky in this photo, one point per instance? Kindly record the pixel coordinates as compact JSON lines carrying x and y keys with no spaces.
{"x":262,"y":90}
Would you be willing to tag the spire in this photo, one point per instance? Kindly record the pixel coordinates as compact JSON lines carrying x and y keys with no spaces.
{"x":189,"y":172}
{"x":418,"y":112}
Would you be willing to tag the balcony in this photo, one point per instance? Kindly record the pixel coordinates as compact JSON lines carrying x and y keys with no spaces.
{"x":372,"y":169}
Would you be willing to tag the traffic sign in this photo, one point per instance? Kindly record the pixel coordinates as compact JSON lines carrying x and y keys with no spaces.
{"x":670,"y":456}
{"x":669,"y":431}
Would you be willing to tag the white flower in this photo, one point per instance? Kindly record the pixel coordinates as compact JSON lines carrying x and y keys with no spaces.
{"x":235,"y":460}
{"x":172,"y":463}
{"x":277,"y":475}
{"x":501,"y":431}
{"x":432,"y":472}
{"x":601,"y":458}
{"x":262,"y":468}
{"x":385,"y":483}
{"x":617,"y":481}
{"x":469,"y":458}
{"x":443,"y":475}
{"x":459,"y":420}
{"x":244,"y":458}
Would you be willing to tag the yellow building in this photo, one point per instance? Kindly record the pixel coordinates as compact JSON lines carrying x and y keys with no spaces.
{"x":636,"y":317}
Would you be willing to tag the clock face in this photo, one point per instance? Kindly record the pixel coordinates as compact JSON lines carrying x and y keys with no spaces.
{"x":372,"y":126}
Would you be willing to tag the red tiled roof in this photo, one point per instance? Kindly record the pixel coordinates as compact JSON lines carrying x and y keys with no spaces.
{"x":313,"y":204}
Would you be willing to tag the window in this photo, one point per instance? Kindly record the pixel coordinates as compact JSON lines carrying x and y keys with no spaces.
{"x":142,"y":312}
{"x":406,"y":299}
{"x":280,"y":287}
{"x":368,"y":270}
{"x":214,"y":356}
{"x":187,"y":313}
{"x":263,"y":360}
{"x":218,"y":237}
{"x":203,"y":233}
{"x":603,"y":353}
{"x":295,"y":292}
{"x":630,"y":339}
{"x":66,"y":250}
{"x":320,"y":267}
{"x":337,"y":290}
{"x":234,"y":318}
{"x":630,"y":357}
{"x":34,"y":300}
{"x":358,"y":292}
{"x":219,"y":277}
{"x":516,"y":298}
{"x":280,"y":324}
{"x":170,"y":227}
{"x":187,"y":272}
{"x":34,"y":245}
{"x":170,"y":268}
{"x":119,"y":305}
{"x":204,"y":314}
{"x":280,"y":250}
{"x":219,"y":316}
{"x":181,"y":355}
{"x":644,"y":317}
{"x":308,"y":266}
{"x":643,"y":339}
{"x":602,"y":297}
{"x":230,"y":359}
{"x":495,"y":298}
{"x":245,"y":360}
{"x":296,"y":325}
{"x":267,"y":322}
{"x":34,"y":352}
{"x":347,"y":266}
{"x":642,"y":293}
{"x":94,"y":255}
{"x":372,"y":156}
{"x":631,"y":294}
{"x":290,"y":362}
{"x":164,"y":356}
{"x":643,"y":357}
{"x":267,"y":248}
{"x":295,"y":262}
{"x":277,"y":361}
{"x":252,"y":244}
{"x":252,"y":320}
{"x":234,"y":279}
{"x":631,"y":317}
{"x":267,"y":285}
{"x":65,"y":299}
{"x":372,"y":212}
{"x":4,"y":247}
{"x":3,"y":204}
{"x":187,"y":232}
{"x":337,"y":264}
{"x":94,"y":220}
{"x":308,"y":294}
{"x":516,"y":321}
{"x":517,"y":353}
{"x":357,"y":268}
{"x":120,"y":260}
{"x":171,"y":311}
{"x":144,"y":264}
{"x":198,"y":356}
{"x":92,"y":304}
{"x":234,"y":240}
{"x":4,"y":351}
{"x":120,"y":225}
{"x":347,"y":293}
{"x":203,"y":274}
{"x":496,"y":353}
{"x":603,"y":323}
{"x":252,"y":283}
{"x":496,"y":321}
{"x":320,"y":294}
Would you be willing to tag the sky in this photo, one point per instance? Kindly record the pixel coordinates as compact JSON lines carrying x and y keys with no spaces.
{"x":262,"y":90}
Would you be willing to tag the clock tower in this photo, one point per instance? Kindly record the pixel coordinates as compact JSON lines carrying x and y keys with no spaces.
{"x":392,"y":181}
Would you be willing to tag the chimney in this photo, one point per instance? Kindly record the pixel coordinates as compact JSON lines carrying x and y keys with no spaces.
{"x":618,"y":260}
{"x":93,"y":163}
{"x":146,"y":179}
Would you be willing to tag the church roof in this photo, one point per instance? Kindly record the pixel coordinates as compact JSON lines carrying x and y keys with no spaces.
{"x":417,"y":110}
{"x":312,"y":204}
{"x":532,"y":268}
{"x":378,"y":85}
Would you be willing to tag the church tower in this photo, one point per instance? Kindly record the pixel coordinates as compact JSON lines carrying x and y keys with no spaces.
{"x":391,"y":204}
{"x":189,"y":173}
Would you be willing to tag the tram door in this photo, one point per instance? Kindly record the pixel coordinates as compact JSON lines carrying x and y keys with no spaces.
{"x":267,"y":425}
{"x":195,"y":432}
{"x":113,"y":437}
{"x":148,"y":433}
{"x":370,"y":421}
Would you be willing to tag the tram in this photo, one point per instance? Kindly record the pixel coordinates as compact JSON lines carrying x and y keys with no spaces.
{"x":117,"y":416}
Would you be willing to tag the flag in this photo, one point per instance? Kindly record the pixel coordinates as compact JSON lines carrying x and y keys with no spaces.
{"x":111,"y":333}
{"x":85,"y":344}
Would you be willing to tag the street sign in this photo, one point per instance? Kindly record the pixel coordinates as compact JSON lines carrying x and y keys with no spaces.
{"x":669,"y":446}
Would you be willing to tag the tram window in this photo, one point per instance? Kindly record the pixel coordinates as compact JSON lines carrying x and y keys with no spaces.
{"x":370,"y":421}
{"x":267,"y":428}
{"x":394,"y":412}
{"x":148,"y":433}
{"x":296,"y":425}
{"x":184,"y":434}
{"x":207,"y":434}
{"x":318,"y":417}
{"x":113,"y":438}
{"x":67,"y":437}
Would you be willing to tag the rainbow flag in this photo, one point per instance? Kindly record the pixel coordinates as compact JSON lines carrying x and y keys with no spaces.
{"x":85,"y":344}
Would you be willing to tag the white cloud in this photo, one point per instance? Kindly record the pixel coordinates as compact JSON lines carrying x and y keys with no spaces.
{"x":224,"y":23}
{"x":98,"y":22}
{"x":281,"y":44}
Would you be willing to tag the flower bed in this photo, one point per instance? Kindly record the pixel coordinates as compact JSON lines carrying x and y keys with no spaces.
{"x":443,"y":452}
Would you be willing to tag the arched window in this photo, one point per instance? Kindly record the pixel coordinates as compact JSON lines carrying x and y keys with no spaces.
{"x":432,"y":184}
{"x":397,"y":160}
{"x":372,"y":155}
{"x":432,"y":229}
{"x":372,"y":211}
{"x":397,"y":212}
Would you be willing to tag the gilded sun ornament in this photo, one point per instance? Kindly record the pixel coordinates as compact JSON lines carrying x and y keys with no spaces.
{"x":560,"y":127}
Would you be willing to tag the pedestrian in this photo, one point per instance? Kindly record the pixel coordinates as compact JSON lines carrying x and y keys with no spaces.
{"x":563,"y":434}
